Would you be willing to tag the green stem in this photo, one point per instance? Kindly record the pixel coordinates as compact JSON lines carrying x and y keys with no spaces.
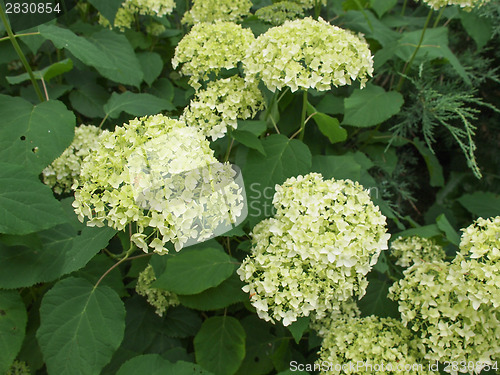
{"x":438,"y":18}
{"x":303,"y":115}
{"x":129,"y":252}
{"x":317,"y":9}
{"x":19,"y":36}
{"x":404,"y":8}
{"x":21,"y":54}
{"x":408,"y":64}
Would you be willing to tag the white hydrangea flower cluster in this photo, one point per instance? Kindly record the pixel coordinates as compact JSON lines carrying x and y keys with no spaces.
{"x":371,"y":340}
{"x":481,"y":240}
{"x":466,"y":4}
{"x":161,"y":300}
{"x":276,"y":14}
{"x":415,"y":250}
{"x":217,"y":10}
{"x":162,"y":175}
{"x":221,"y":104}
{"x":125,"y":16}
{"x":454,"y":308}
{"x":307,"y":54}
{"x":315,"y":252}
{"x":305,"y":4}
{"x":63,"y":171}
{"x":346,"y":310}
{"x":210,"y":47}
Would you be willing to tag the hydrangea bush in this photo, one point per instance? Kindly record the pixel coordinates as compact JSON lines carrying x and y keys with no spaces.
{"x":243,"y":167}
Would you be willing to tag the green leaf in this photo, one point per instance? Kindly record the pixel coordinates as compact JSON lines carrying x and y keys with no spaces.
{"x":180,"y":322}
{"x":382,"y":6}
{"x":135,"y":104}
{"x":26,"y":205}
{"x":80,"y":327}
{"x":47,"y":73}
{"x":375,"y":301}
{"x":259,"y":346}
{"x":126,"y":67}
{"x":371,"y":106}
{"x":249,"y":139}
{"x":154,"y":364}
{"x":151,"y":64}
{"x":107,"y":8}
{"x":298,"y":328}
{"x":426,"y":231}
{"x":383,"y":157}
{"x":51,"y":254}
{"x":253,"y":126}
{"x":337,"y":166}
{"x":34,"y":136}
{"x":331,"y":104}
{"x":479,"y":28}
{"x":433,"y":166}
{"x":284,"y":158}
{"x":219,"y":346}
{"x":434,"y":46}
{"x":227,"y":293}
{"x":13,"y":318}
{"x":89,"y":100}
{"x":481,"y":204}
{"x":445,"y":226}
{"x":329,"y":126}
{"x":193,"y":271}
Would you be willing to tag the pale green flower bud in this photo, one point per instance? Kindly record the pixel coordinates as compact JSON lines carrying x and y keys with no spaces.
{"x":415,"y":249}
{"x":19,"y":368}
{"x":305,"y":54}
{"x":161,"y":300}
{"x":211,"y":47}
{"x":221,"y":104}
{"x":63,"y":171}
{"x":314,"y":254}
{"x":217,"y":10}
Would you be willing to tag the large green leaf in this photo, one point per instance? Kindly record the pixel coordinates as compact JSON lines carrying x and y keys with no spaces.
{"x":135,"y":104}
{"x":219,"y":346}
{"x":51,"y":254}
{"x":249,"y":139}
{"x":284,"y":158}
{"x":298,"y":328}
{"x":479,"y":28}
{"x":151,"y":64}
{"x":375,"y":301}
{"x":371,"y":106}
{"x":80,"y":327}
{"x":223,"y":295}
{"x":47,"y":73}
{"x":481,"y":204}
{"x":13,"y":320}
{"x":195,"y":270}
{"x":126,"y":66}
{"x":180,"y":322}
{"x":328,"y":125}
{"x":382,"y":6}
{"x":434,"y":46}
{"x":154,"y":364}
{"x":34,"y":136}
{"x":110,"y":53}
{"x":337,"y":166}
{"x":89,"y":100}
{"x":432,"y":162}
{"x":445,"y":226}
{"x":107,"y":8}
{"x":26,"y":205}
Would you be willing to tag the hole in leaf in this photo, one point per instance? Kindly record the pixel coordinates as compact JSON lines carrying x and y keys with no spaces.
{"x":256,"y":359}
{"x":35,"y":150}
{"x":79,"y":232}
{"x":2,"y":312}
{"x":23,"y":138}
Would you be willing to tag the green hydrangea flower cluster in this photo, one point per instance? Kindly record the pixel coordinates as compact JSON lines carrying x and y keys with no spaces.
{"x":217,"y":10}
{"x":306,"y":54}
{"x":162,"y":175}
{"x":466,"y":4}
{"x":305,"y":4}
{"x":210,"y":47}
{"x":221,"y":104}
{"x":125,"y":16}
{"x":454,"y":307}
{"x":276,"y":14}
{"x":19,"y":368}
{"x":372,"y":341}
{"x":415,"y":250}
{"x":159,"y":299}
{"x":315,"y":252}
{"x":346,"y":310}
{"x":63,"y":171}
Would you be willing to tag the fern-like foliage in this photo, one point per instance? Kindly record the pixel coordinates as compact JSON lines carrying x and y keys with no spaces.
{"x":447,"y":106}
